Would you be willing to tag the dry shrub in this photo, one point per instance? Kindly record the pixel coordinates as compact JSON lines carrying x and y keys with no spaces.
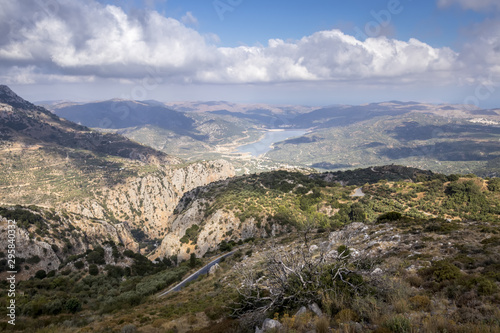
{"x":345,"y":316}
{"x":415,"y":281}
{"x":400,"y":304}
{"x":368,"y":308}
{"x":322,"y":325}
{"x":439,"y":324}
{"x":420,"y":303}
{"x":300,"y":323}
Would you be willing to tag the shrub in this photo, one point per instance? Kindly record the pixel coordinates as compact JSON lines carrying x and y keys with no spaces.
{"x":96,"y":256}
{"x":389,"y":216}
{"x":346,"y":315}
{"x":93,"y":270}
{"x":33,"y":260}
{"x":420,"y":302}
{"x":444,"y":270}
{"x":41,"y":274}
{"x":79,"y":264}
{"x":73,"y":305}
{"x":398,"y":324}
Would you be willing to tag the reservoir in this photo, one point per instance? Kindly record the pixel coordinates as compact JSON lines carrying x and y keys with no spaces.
{"x":264,"y":145}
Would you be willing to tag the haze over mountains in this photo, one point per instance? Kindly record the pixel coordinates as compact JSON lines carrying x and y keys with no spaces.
{"x":443,"y":138}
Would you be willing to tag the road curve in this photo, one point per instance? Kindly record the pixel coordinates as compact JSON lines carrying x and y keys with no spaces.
{"x":196,"y":274}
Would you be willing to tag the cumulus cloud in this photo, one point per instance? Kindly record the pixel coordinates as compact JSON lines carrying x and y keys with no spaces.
{"x":70,"y":39}
{"x":477,"y":5}
{"x":189,"y":19}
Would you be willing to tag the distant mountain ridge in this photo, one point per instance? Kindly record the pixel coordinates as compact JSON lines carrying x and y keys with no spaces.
{"x":22,"y":121}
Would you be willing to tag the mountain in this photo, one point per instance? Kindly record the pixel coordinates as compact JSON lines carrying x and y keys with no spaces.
{"x":117,"y":114}
{"x":74,"y":187}
{"x":23,"y":122}
{"x":441,"y":137}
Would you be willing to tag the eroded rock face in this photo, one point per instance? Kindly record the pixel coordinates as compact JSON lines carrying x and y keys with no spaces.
{"x":148,"y":202}
{"x":28,"y":248}
{"x":49,"y":248}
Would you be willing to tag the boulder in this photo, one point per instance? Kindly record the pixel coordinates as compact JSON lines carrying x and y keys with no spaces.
{"x":315,"y":308}
{"x":270,"y":324}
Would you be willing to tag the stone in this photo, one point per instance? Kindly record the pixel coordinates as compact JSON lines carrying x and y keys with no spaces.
{"x":270,"y":324}
{"x":315,"y":308}
{"x":377,"y":271}
{"x":313,"y":248}
{"x":213,"y":269}
{"x":301,"y":311}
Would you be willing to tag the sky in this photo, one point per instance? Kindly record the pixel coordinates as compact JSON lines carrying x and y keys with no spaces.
{"x":318,"y":52}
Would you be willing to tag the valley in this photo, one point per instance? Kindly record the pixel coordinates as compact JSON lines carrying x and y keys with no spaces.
{"x":366,"y":218}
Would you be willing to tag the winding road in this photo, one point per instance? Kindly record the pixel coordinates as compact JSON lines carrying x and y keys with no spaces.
{"x":194,"y":276}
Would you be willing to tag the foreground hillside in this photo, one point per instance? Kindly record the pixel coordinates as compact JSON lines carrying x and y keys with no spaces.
{"x":72,"y":187}
{"x":410,"y":251}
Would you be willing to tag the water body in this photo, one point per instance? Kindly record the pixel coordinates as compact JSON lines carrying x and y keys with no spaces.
{"x":264,"y":145}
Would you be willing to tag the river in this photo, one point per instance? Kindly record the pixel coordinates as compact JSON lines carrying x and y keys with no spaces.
{"x":264,"y":145}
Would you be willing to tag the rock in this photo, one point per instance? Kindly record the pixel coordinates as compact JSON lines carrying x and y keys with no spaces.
{"x":258,"y":330}
{"x":313,"y":248}
{"x":377,"y":271}
{"x":129,"y":328}
{"x":213,"y":269}
{"x":301,"y":311}
{"x":270,"y":324}
{"x":315,"y":308}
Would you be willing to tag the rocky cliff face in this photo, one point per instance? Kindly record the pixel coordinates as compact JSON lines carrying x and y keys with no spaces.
{"x":148,"y":202}
{"x":212,"y":230}
{"x":55,"y":246}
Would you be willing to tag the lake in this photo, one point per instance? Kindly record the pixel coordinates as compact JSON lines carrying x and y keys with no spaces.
{"x":264,"y":145}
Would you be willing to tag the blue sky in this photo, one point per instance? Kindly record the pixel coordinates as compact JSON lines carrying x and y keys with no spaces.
{"x":300,"y":52}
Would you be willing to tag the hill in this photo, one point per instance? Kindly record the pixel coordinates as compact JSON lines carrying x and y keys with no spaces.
{"x":444,"y":138}
{"x":418,"y":251}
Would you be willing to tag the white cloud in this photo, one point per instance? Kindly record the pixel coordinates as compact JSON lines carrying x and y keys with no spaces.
{"x":89,"y":40}
{"x":477,"y":5}
{"x":189,"y":19}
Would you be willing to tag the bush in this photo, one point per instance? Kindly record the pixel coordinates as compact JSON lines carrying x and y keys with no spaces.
{"x":420,"y":303}
{"x":33,"y":260}
{"x":96,"y":256}
{"x":79,"y":264}
{"x":93,"y":270}
{"x":398,"y":324}
{"x":73,"y":305}
{"x":443,"y":270}
{"x":389,"y":216}
{"x":41,"y":274}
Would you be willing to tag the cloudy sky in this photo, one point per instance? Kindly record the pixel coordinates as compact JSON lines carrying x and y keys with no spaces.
{"x":302,"y":52}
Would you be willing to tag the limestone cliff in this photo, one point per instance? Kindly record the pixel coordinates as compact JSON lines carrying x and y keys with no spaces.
{"x":60,"y":239}
{"x":148,"y":202}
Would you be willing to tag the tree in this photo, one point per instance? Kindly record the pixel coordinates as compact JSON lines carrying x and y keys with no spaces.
{"x":192,"y":260}
{"x":357,"y":214}
{"x":494,"y":184}
{"x":41,"y":274}
{"x":93,"y":269}
{"x":73,"y":305}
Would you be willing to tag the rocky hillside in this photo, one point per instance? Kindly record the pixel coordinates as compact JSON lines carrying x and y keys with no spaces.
{"x":78,"y":188}
{"x":275,"y":203}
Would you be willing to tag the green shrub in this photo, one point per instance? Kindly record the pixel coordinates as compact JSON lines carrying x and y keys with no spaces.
{"x":93,"y":269}
{"x":389,"y":216}
{"x":443,"y":270}
{"x":398,"y":324}
{"x":73,"y":305}
{"x":79,"y":264}
{"x":41,"y":274}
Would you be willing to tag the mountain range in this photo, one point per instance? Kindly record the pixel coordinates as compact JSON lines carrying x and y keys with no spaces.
{"x":105,"y":222}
